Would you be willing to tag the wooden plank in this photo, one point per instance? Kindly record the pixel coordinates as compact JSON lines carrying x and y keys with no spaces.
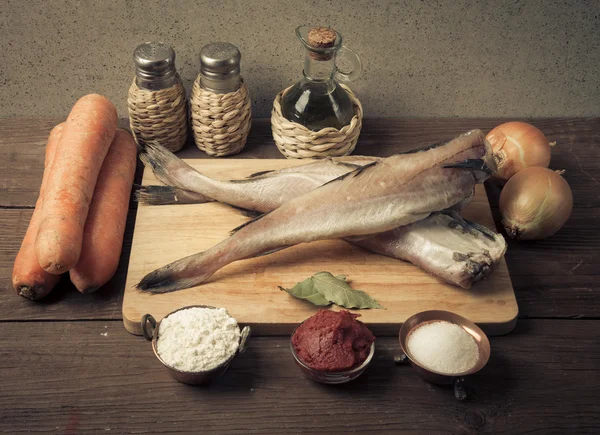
{"x":557,"y":296}
{"x":249,"y":289}
{"x":22,"y":144}
{"x":78,"y":377}
{"x":573,"y":249}
{"x":65,"y":302}
{"x":22,"y":150}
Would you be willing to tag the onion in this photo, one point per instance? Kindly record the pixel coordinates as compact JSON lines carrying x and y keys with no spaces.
{"x":535,"y":203}
{"x":516,"y":146}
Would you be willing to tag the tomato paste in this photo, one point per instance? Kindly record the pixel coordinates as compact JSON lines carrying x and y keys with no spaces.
{"x":332,"y":341}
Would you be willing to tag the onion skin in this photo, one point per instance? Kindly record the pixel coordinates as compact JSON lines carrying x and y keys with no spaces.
{"x":535,"y":204}
{"x":516,"y":146}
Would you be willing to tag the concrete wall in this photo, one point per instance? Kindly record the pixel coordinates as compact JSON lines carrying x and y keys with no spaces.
{"x":421,"y":58}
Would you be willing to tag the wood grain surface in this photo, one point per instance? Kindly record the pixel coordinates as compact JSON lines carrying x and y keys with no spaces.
{"x":70,"y":367}
{"x":94,"y":377}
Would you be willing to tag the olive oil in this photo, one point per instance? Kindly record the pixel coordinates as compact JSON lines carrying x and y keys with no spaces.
{"x":318,"y":101}
{"x":318,"y":105}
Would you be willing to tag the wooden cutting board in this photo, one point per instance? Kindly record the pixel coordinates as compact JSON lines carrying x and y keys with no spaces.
{"x":249,"y":288}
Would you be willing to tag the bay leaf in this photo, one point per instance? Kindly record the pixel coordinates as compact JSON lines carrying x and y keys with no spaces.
{"x":340,"y":293}
{"x":306,"y":290}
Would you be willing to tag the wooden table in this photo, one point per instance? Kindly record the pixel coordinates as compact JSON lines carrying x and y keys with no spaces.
{"x":69,"y":366}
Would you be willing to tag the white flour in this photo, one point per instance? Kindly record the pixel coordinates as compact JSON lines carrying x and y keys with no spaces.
{"x":197,"y":339}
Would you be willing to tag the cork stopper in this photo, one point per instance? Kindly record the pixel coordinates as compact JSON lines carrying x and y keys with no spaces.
{"x":321,"y":37}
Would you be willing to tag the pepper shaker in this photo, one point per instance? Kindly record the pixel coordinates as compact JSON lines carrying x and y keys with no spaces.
{"x":220,"y":104}
{"x":156,"y":100}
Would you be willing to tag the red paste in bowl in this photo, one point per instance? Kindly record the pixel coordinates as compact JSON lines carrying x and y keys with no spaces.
{"x":332,"y":341}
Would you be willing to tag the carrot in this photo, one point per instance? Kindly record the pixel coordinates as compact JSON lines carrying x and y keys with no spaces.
{"x":29,"y":279}
{"x":105,"y":225}
{"x":86,"y":137}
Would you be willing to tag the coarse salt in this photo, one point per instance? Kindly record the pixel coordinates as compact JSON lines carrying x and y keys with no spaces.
{"x":197,"y":339}
{"x":443,"y":347}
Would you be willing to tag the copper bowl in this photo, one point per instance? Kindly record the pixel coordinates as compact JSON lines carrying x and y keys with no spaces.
{"x":419,"y":319}
{"x":150,"y":330}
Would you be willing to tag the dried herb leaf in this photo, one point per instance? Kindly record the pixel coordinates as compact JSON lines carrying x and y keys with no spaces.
{"x":306,"y":290}
{"x":340,"y":293}
{"x":323,"y":288}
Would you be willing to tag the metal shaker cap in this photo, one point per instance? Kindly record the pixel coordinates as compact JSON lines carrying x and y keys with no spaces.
{"x":220,"y":66}
{"x":154,"y":61}
{"x":220,"y":58}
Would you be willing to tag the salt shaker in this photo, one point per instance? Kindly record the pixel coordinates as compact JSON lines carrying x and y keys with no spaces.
{"x":157,"y":101}
{"x":220,"y":104}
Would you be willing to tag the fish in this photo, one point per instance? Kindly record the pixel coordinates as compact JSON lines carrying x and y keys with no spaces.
{"x":375,"y":198}
{"x":453,"y":249}
{"x":261,"y":192}
{"x":443,"y":245}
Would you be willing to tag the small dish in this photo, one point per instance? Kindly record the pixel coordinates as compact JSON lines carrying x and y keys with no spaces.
{"x":482,"y":341}
{"x":332,"y":378}
{"x":419,"y":319}
{"x":150,"y":330}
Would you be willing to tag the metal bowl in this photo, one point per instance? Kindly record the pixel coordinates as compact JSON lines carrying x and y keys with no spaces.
{"x":332,"y":378}
{"x":419,"y":319}
{"x":150,"y":330}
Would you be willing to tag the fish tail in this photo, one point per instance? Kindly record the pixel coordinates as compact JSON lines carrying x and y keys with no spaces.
{"x":165,"y":195}
{"x":167,"y":167}
{"x":184,"y":273}
{"x":173,"y":171}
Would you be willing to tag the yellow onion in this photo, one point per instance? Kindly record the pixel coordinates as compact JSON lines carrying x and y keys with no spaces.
{"x":516,"y":146}
{"x":535,"y":203}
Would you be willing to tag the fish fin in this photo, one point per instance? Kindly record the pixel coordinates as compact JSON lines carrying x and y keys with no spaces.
{"x":353,"y":173}
{"x":184,"y":273}
{"x":158,"y":158}
{"x":245,"y":211}
{"x":468,"y":225}
{"x":244,"y":180}
{"x":270,"y":251}
{"x":362,"y":168}
{"x":154,"y":195}
{"x":477,"y":164}
{"x":482,"y":229}
{"x":165,"y":195}
{"x":346,"y":164}
{"x":155,"y":285}
{"x":259,"y":173}
{"x":236,"y":229}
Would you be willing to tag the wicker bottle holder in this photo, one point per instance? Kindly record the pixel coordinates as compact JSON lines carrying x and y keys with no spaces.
{"x":220,"y":122}
{"x":295,"y":141}
{"x":159,"y":116}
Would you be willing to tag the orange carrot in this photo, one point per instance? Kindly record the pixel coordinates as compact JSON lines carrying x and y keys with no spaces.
{"x":29,"y":279}
{"x":86,"y":137}
{"x":105,"y":225}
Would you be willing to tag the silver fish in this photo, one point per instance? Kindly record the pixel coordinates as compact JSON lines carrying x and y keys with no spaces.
{"x":260,"y":192}
{"x":374,"y":198}
{"x":447,"y":246}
